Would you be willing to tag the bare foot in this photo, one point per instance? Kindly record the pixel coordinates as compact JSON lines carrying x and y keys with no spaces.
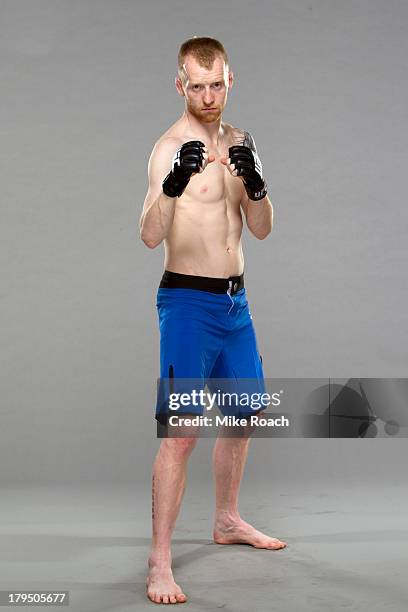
{"x":161,"y":587}
{"x":237,"y":531}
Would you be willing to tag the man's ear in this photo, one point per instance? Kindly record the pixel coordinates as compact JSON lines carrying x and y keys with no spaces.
{"x":230,"y":79}
{"x":179,"y":86}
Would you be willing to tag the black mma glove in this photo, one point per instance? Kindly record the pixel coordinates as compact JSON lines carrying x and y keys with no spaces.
{"x":248,"y":165}
{"x":187,"y":160}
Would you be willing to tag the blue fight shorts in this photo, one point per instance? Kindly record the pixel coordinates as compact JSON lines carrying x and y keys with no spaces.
{"x":206,"y":334}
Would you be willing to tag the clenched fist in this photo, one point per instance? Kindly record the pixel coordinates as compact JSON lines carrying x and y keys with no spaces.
{"x":190,"y":159}
{"x":245,"y":163}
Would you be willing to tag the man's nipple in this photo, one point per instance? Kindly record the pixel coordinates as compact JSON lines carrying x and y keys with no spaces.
{"x":204,"y":189}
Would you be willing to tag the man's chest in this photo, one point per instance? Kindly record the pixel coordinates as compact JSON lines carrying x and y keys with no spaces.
{"x":215,"y":182}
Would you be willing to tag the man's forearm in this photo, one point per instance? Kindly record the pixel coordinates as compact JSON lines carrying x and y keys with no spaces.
{"x":259,"y":216}
{"x":156,"y":221}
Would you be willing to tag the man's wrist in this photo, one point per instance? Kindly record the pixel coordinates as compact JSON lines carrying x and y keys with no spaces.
{"x":167,"y":198}
{"x":174,"y":187}
{"x":258,"y":193}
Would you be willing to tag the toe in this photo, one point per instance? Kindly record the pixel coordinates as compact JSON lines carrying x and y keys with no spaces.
{"x":181,"y":598}
{"x":157,"y":598}
{"x":165,"y":599}
{"x":151,"y":596}
{"x":173,"y":599}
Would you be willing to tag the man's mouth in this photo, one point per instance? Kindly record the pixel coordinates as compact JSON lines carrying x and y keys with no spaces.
{"x":209,"y":109}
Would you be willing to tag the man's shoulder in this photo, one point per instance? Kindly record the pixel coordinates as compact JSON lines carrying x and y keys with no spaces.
{"x":232,"y":132}
{"x":171,"y":138}
{"x":168,"y":140}
{"x":238,"y":136}
{"x":166,"y":145}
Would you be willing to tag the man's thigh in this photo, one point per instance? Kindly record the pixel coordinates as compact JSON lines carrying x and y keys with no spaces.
{"x":238,"y":373}
{"x":189,"y":347}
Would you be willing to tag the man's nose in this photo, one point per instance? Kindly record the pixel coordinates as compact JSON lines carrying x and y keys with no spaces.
{"x":208,"y":97}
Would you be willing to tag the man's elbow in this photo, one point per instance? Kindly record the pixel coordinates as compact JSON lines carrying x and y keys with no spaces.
{"x":263,"y":235}
{"x":149,"y":241}
{"x":151,"y":244}
{"x":146,"y":237}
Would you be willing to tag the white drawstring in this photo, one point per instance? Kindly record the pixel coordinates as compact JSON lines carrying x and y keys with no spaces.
{"x":229,"y":294}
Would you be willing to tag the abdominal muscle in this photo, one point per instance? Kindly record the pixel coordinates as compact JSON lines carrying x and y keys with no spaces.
{"x":205,"y":240}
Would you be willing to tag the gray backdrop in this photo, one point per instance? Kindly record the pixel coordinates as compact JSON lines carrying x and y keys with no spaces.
{"x":86,"y":89}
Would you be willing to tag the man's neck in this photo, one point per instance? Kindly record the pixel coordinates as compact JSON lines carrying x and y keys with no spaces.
{"x":208,"y":131}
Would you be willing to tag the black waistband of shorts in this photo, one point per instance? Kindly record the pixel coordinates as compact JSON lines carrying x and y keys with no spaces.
{"x":174,"y":280}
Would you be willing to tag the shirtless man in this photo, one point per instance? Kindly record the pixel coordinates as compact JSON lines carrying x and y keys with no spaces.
{"x":198,"y":187}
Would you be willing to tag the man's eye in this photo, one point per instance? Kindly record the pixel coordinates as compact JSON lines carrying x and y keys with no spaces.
{"x":196,"y":87}
{"x":217,"y":85}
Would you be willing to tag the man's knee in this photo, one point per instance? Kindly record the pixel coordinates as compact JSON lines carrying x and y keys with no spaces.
{"x":178,"y":447}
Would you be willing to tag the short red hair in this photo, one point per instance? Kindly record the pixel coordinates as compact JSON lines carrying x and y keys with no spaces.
{"x":203,"y":49}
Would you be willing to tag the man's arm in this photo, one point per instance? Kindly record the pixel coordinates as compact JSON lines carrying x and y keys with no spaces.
{"x":258,"y":214}
{"x":158,"y":208}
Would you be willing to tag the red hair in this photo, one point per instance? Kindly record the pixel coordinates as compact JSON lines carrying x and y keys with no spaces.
{"x":203,"y":49}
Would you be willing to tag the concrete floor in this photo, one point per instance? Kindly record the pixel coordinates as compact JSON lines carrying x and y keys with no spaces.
{"x":347,"y":548}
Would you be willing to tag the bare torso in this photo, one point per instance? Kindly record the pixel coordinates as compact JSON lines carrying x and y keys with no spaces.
{"x":205,"y":237}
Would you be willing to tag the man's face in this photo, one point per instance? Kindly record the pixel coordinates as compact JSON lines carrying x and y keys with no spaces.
{"x":205,"y":90}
